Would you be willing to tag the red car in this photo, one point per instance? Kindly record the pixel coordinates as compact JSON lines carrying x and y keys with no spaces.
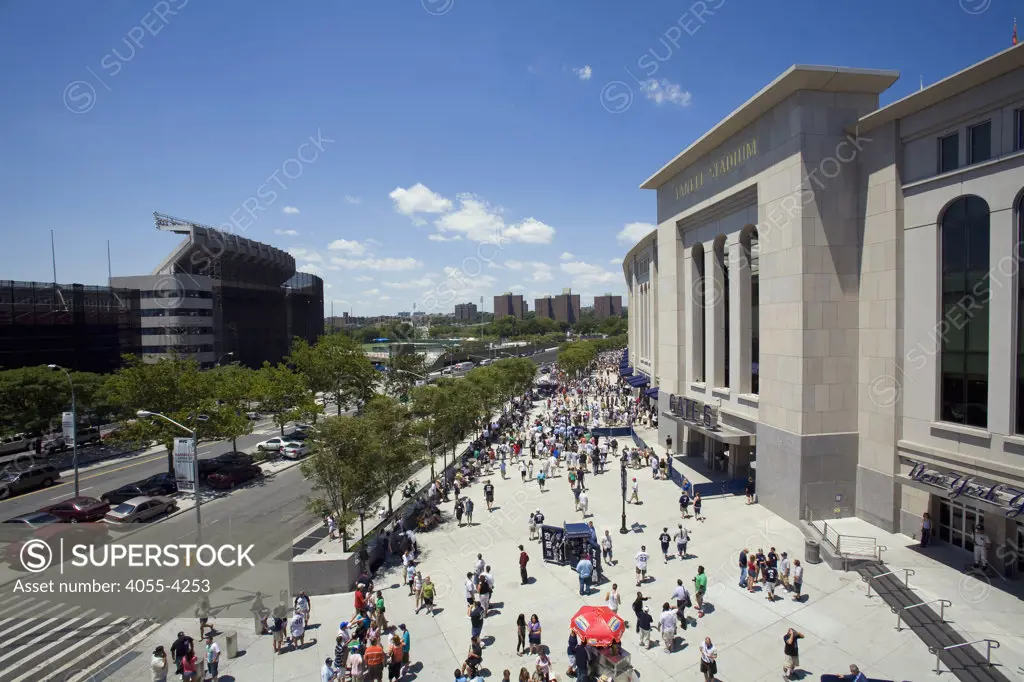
{"x":229,"y":477}
{"x":78,"y":509}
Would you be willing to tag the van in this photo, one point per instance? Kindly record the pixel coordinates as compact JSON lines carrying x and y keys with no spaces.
{"x":19,"y":442}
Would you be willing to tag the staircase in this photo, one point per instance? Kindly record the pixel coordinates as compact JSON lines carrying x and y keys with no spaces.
{"x":956,"y":654}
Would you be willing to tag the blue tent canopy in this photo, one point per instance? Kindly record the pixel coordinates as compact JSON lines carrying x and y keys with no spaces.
{"x":625,"y":371}
{"x":638,"y":380}
{"x":652,"y":393}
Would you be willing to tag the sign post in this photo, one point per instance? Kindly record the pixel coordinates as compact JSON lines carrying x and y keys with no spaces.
{"x":622,"y":472}
{"x":185,"y":464}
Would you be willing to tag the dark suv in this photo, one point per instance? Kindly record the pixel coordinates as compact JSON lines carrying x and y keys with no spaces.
{"x":13,"y":481}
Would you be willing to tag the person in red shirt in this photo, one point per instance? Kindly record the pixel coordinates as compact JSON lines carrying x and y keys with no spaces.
{"x":524,"y":559}
{"x":374,"y":659}
{"x":359,"y":602}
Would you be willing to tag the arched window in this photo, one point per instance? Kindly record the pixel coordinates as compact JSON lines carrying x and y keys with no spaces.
{"x":754,"y":261}
{"x":721,"y":282}
{"x":700,"y":317}
{"x":965,"y":311}
{"x":1020,"y":317}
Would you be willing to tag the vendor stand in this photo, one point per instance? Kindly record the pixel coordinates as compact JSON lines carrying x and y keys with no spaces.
{"x":601,"y":629}
{"x":566,"y":546}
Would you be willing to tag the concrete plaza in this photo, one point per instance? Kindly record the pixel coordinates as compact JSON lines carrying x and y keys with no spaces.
{"x":841,"y":624}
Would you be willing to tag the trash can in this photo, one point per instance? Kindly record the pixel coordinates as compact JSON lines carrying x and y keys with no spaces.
{"x":812,"y":552}
{"x":231,"y":644}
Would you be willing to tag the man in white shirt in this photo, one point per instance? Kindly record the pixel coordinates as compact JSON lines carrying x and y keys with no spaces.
{"x":641,"y":565}
{"x":668,"y":628}
{"x":470,"y":588}
{"x":635,"y":497}
{"x":981,"y":543}
{"x":328,"y":673}
{"x":682,"y":597}
{"x":212,"y":657}
{"x":584,"y":502}
{"x":682,"y":538}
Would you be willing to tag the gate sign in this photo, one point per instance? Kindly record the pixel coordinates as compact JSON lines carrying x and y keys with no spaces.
{"x":185,"y":464}
{"x":67,"y":425}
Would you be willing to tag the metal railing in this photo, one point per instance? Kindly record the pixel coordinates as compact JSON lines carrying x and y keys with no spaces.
{"x":847,"y":546}
{"x":991,"y":644}
{"x":906,"y":578}
{"x":943,"y":603}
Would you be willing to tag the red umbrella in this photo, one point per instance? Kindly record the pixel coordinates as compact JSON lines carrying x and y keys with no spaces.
{"x":597,"y":625}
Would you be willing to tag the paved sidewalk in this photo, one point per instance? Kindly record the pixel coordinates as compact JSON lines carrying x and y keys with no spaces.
{"x":841,"y":624}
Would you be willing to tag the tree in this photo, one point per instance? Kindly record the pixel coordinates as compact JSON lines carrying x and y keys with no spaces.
{"x":283,"y":394}
{"x":234,"y":388}
{"x":427,"y":404}
{"x":341,"y":455}
{"x":395,"y":444}
{"x":403,"y":371}
{"x":577,"y":357}
{"x":337,"y":367}
{"x":32,"y":398}
{"x":171,"y":386}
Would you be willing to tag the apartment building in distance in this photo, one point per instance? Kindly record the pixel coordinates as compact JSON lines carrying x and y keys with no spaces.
{"x":564,"y":307}
{"x":509,"y":304}
{"x":607,"y":306}
{"x":466,"y":312}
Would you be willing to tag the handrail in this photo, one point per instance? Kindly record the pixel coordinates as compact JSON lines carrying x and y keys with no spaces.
{"x":906,"y":578}
{"x":878,"y":551}
{"x":992,"y":644}
{"x":943,"y":603}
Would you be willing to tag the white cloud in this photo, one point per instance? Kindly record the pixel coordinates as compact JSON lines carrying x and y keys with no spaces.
{"x":328,"y":285}
{"x":530,"y":231}
{"x":384,"y":298}
{"x":421,"y":283}
{"x":290,"y":210}
{"x":583,"y":72}
{"x":352,"y":200}
{"x":372,"y":263}
{"x":438,"y":237}
{"x":300,"y":253}
{"x":616,"y":261}
{"x":362,"y":278}
{"x":475,"y":219}
{"x":665,"y":91}
{"x":567,"y":256}
{"x":374,"y":242}
{"x":311,"y":268}
{"x":419,"y":199}
{"x":534,"y":271}
{"x":634,"y":232}
{"x":371,"y":292}
{"x":587,"y":276}
{"x":352,"y":248}
{"x":287,"y":233}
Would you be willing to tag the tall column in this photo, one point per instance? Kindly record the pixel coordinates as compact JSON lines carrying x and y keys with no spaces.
{"x":694,"y":327}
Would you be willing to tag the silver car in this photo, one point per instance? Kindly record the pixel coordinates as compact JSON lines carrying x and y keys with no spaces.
{"x":139,"y":509}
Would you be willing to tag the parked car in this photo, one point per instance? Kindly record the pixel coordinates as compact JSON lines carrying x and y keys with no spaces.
{"x":79,"y":509}
{"x":23,"y":526}
{"x":13,"y":481}
{"x":295,"y":435}
{"x":139,"y":509}
{"x":165,"y":482}
{"x":229,"y":477}
{"x":140,"y":489}
{"x":13,"y":444}
{"x":53,"y":443}
{"x":295,"y":450}
{"x":223,"y":461}
{"x":271,"y":444}
{"x":87,"y":435}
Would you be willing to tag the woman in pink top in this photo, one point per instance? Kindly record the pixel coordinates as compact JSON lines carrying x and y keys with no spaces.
{"x":189,"y":665}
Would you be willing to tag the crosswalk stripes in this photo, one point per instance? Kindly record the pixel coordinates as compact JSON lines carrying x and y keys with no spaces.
{"x":44,"y":641}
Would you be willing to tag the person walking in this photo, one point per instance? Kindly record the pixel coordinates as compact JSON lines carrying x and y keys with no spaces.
{"x":612,"y":598}
{"x":584,"y":502}
{"x":469,"y":512}
{"x":682,"y":538}
{"x":926,"y":529}
{"x":667,"y":625}
{"x":641,"y":565}
{"x":708,"y":660}
{"x":697,"y":502}
{"x":644,"y":621}
{"x":524,"y":559}
{"x":585,"y":571}
{"x":212,"y":657}
{"x":791,"y":652}
{"x":682,"y":597}
{"x":606,"y":547}
{"x":785,"y":567}
{"x":700,"y":583}
{"x":743,"y":567}
{"x":460,"y":509}
{"x":771,"y":579}
{"x":189,"y":665}
{"x":406,"y":647}
{"x":798,"y":579}
{"x":373,"y":657}
{"x":635,"y":497}
{"x":684,"y":503}
{"x":534,"y":634}
{"x":521,"y":634}
{"x":522,"y":470}
{"x":751,"y":490}
{"x":489,"y":490}
{"x":158,"y":665}
{"x":427,"y":593}
{"x":664,"y":539}
{"x":484,"y":590}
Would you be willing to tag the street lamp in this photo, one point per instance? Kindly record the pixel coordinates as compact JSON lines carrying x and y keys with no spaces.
{"x":622,"y":472}
{"x":221,"y":359}
{"x":74,"y":424}
{"x":195,"y":462}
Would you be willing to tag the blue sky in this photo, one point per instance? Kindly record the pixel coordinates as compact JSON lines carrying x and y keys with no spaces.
{"x":436,"y":125}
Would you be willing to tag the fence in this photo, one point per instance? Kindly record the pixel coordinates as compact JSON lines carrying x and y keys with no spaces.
{"x":848,"y":546}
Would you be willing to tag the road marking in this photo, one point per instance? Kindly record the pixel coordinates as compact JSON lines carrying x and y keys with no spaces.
{"x":85,"y":478}
{"x":80,"y":490}
{"x":89,"y":651}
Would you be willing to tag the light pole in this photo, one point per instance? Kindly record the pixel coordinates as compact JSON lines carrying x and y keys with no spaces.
{"x":221,"y":359}
{"x":622,"y":472}
{"x":74,"y":424}
{"x":195,"y":462}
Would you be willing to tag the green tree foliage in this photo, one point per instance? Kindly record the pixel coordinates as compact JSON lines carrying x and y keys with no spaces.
{"x":395,"y":444}
{"x":284,"y":394}
{"x":234,"y":387}
{"x":403,"y":371}
{"x":337,"y":367}
{"x":173,"y":387}
{"x":577,"y":357}
{"x":342,"y":454}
